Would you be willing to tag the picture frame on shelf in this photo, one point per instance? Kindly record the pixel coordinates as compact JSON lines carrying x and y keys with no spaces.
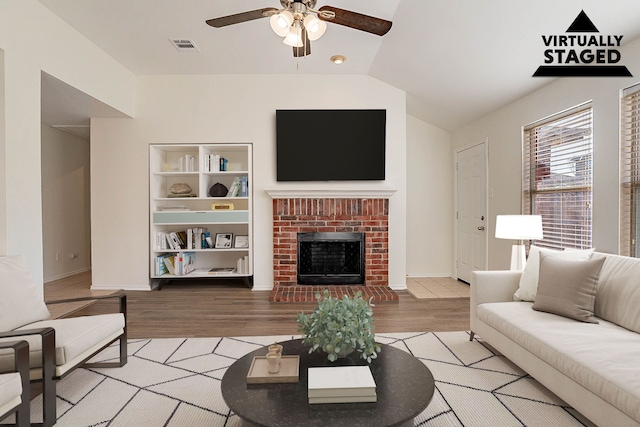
{"x":241,"y":241}
{"x":223,"y":240}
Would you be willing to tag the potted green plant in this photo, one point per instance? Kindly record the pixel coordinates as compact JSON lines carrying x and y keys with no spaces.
{"x":338,"y":326}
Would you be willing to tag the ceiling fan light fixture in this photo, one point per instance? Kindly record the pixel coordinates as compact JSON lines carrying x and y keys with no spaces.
{"x":294,"y":36}
{"x":315,"y":27}
{"x":281,"y":22}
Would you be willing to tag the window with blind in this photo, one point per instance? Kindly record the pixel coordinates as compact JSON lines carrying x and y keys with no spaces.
{"x":630,"y":171}
{"x":557,"y":177}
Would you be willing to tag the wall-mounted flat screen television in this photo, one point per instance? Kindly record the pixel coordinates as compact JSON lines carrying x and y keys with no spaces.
{"x":330,"y":145}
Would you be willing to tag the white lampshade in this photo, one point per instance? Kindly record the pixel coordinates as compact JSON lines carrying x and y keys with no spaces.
{"x":280,"y":22}
{"x":294,"y":36}
{"x":315,"y":27}
{"x":519,"y":227}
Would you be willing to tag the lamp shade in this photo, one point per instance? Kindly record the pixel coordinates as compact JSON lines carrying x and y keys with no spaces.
{"x":294,"y":36}
{"x":315,"y":27}
{"x":280,"y":22}
{"x":519,"y":227}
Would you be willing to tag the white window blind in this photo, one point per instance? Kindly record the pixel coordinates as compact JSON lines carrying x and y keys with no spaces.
{"x":629,"y":170}
{"x":557,"y":177}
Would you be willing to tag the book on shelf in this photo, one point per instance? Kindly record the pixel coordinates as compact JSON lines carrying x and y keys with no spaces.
{"x":341,"y":381}
{"x":188,"y":163}
{"x":160,"y":266}
{"x":168,"y":261}
{"x":190,"y":238}
{"x":174,"y":241}
{"x":344,"y":399}
{"x":160,"y":242}
{"x":184,"y":263}
{"x":211,"y":163}
{"x":244,"y":192}
{"x":222,"y":270}
{"x":197,"y":238}
{"x":242,"y":265}
{"x":174,"y":208}
{"x":182,"y":238}
{"x":234,"y":188}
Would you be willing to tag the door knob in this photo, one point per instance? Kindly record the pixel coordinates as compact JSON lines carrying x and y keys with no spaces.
{"x":481,"y":228}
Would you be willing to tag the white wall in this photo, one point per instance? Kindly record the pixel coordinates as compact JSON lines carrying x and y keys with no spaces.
{"x":35,"y":40}
{"x":429,"y":200}
{"x":503,"y":129}
{"x":209,"y":109}
{"x":3,"y":176}
{"x":66,"y":210}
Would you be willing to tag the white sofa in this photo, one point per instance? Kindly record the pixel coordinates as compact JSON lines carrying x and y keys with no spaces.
{"x":593,"y":367}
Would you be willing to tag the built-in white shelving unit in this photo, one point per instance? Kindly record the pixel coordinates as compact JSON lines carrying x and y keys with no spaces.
{"x":187,"y":217}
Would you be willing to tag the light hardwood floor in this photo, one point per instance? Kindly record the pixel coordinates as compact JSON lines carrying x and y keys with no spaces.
{"x":232,"y":309}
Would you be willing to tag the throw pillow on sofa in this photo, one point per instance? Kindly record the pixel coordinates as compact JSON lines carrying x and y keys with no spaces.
{"x":568,"y":288}
{"x":20,"y":301}
{"x":529,"y":279}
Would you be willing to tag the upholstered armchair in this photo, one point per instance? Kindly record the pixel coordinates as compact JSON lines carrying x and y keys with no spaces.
{"x":14,"y":385}
{"x":56,"y":346}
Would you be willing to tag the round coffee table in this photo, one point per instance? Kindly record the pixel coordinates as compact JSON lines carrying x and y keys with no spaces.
{"x":404,"y":386}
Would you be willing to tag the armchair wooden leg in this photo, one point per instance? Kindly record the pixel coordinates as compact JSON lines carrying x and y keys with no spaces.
{"x":123,"y":349}
{"x":23,"y":415}
{"x":49,"y":414}
{"x":471,"y":335}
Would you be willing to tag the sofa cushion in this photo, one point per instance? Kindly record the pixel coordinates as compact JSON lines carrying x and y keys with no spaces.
{"x":618,"y":296}
{"x":74,"y":335}
{"x":602,"y":358}
{"x":529,"y":279}
{"x":568,"y":288}
{"x":21,"y":303}
{"x":10,"y":391}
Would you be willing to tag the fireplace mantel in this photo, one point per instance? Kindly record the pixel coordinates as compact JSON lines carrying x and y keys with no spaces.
{"x":311,"y":193}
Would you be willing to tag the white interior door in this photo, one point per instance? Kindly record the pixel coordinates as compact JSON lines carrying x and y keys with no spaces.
{"x":471,"y":210}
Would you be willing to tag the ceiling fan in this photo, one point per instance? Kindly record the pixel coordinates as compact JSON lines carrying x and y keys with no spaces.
{"x":299,"y":23}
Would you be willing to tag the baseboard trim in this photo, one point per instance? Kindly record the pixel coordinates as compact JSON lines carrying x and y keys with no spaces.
{"x":62,"y":276}
{"x":123,"y":287}
{"x":424,"y":275}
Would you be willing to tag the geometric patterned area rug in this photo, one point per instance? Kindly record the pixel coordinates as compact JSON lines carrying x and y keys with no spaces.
{"x":176,"y":382}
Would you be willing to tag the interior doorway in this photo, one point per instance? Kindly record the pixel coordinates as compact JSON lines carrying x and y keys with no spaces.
{"x":471,"y":225}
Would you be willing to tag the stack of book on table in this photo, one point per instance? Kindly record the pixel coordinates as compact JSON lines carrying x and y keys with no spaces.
{"x":341,"y":384}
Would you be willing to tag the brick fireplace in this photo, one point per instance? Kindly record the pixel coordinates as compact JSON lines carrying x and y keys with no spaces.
{"x":293,"y":215}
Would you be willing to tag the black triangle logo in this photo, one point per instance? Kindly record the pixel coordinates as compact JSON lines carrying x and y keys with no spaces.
{"x":582,"y":24}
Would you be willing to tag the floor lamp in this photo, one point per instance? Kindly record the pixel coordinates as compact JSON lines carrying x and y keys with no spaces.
{"x":518,"y":227}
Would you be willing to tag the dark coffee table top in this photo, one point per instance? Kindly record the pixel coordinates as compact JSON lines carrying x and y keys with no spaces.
{"x":404,"y":386}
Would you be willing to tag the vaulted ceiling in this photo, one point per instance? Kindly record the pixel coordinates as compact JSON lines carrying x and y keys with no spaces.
{"x":456,"y":59}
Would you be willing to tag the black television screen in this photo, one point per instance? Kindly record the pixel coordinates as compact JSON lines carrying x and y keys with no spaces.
{"x":330,"y":145}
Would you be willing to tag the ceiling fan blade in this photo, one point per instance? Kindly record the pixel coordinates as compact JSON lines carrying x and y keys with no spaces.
{"x":357,"y":21}
{"x":223,"y":21}
{"x":305,"y":49}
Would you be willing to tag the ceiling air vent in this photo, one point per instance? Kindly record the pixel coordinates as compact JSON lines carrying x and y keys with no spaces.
{"x":185,"y":45}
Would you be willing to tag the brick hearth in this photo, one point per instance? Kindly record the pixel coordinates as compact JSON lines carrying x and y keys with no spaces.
{"x":304,"y":215}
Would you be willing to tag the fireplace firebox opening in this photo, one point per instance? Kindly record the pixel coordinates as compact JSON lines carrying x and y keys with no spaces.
{"x":331,"y":258}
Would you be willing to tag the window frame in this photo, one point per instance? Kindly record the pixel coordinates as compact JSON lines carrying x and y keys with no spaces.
{"x":562,"y":142}
{"x":629,"y":171}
